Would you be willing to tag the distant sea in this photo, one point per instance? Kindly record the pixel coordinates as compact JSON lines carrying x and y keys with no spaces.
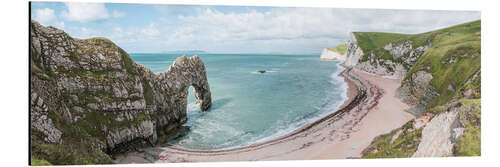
{"x":250,"y":107}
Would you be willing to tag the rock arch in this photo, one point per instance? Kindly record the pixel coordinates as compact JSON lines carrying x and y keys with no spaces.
{"x":182,"y":74}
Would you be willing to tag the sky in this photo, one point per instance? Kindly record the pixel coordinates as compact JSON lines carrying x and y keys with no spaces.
{"x":156,"y":28}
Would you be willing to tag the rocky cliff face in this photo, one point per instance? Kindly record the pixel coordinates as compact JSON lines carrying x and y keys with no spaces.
{"x":439,"y":135}
{"x":354,"y":52}
{"x":331,"y":55}
{"x":88,"y":96}
{"x":392,"y":60}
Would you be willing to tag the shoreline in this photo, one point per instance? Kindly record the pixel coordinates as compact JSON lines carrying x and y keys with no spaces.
{"x":307,"y":142}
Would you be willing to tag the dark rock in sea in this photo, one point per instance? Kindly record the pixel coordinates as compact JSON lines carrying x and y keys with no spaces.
{"x":89,"y":99}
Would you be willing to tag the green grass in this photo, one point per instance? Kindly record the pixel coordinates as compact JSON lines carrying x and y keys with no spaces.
{"x":341,"y":49}
{"x":449,"y":59}
{"x":457,"y":43}
{"x":469,"y":143}
{"x":374,"y":42}
{"x":127,"y":63}
{"x":101,"y":39}
{"x":39,"y":162}
{"x":369,"y":41}
{"x":405,"y":145}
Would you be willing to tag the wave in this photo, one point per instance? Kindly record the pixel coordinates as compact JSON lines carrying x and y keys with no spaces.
{"x":288,"y":127}
{"x":283,"y":127}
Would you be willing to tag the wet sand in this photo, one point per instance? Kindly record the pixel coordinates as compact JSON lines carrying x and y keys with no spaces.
{"x":371,"y":110}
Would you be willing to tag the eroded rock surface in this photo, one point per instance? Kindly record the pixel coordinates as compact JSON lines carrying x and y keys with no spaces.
{"x":404,"y":55}
{"x":354,"y":52}
{"x":440,"y":134}
{"x":93,"y":90}
{"x":417,"y":89}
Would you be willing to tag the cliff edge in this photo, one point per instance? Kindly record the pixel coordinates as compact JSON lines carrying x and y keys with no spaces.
{"x":89,"y":100}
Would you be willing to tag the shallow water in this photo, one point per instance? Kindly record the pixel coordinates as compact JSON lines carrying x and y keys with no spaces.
{"x":250,"y":107}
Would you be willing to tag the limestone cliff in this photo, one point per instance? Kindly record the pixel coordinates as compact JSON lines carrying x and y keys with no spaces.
{"x":90,"y":100}
{"x":393,"y":59}
{"x":334,"y":54}
{"x":354,"y":52}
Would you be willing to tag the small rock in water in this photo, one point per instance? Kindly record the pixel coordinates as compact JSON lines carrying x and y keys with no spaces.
{"x":261,"y":71}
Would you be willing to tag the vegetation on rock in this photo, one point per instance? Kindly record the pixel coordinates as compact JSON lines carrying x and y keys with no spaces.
{"x":89,"y":99}
{"x":452,"y":57}
{"x":399,"y":143}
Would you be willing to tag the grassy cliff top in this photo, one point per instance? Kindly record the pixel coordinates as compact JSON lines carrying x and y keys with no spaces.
{"x":341,"y":49}
{"x":368,"y":41}
{"x":454,"y":56}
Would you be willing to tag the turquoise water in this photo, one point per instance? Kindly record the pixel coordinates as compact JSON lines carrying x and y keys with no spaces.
{"x":250,"y":107}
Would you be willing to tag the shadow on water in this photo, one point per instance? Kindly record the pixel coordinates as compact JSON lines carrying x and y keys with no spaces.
{"x":196,"y":114}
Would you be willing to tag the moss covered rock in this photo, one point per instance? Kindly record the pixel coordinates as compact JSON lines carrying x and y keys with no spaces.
{"x":90,"y":100}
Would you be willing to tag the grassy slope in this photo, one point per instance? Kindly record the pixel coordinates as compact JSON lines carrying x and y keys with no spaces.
{"x":38,"y":162}
{"x":404,"y":145}
{"x":451,"y":63}
{"x":369,"y":41}
{"x":455,"y":43}
{"x":341,"y":49}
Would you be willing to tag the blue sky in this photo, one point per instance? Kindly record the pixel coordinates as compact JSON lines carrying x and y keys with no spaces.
{"x":153,"y":28}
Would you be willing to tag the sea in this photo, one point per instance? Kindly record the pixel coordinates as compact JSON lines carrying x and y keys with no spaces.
{"x":249,"y":107}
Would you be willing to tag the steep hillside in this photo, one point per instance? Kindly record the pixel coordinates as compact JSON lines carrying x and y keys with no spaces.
{"x":438,"y":69}
{"x":453,"y":60}
{"x":439,"y":63}
{"x":89,"y":100}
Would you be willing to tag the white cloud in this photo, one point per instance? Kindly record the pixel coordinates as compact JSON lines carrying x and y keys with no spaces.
{"x":60,"y":24}
{"x":150,"y":30}
{"x":304,"y":29}
{"x":85,"y":12}
{"x":117,"y":14}
{"x":45,"y":15}
{"x":299,"y":30}
{"x":178,"y":9}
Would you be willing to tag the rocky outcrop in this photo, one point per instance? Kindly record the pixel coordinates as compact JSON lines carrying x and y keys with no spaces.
{"x":394,"y":60}
{"x":444,"y":134}
{"x":403,"y":56}
{"x":406,"y":49}
{"x":91,"y":88}
{"x":328,"y":54}
{"x":385,"y":68}
{"x":439,"y":135}
{"x":354,"y":52}
{"x":417,"y":89}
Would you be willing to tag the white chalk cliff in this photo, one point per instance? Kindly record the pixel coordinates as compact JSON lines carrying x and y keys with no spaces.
{"x":328,"y":54}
